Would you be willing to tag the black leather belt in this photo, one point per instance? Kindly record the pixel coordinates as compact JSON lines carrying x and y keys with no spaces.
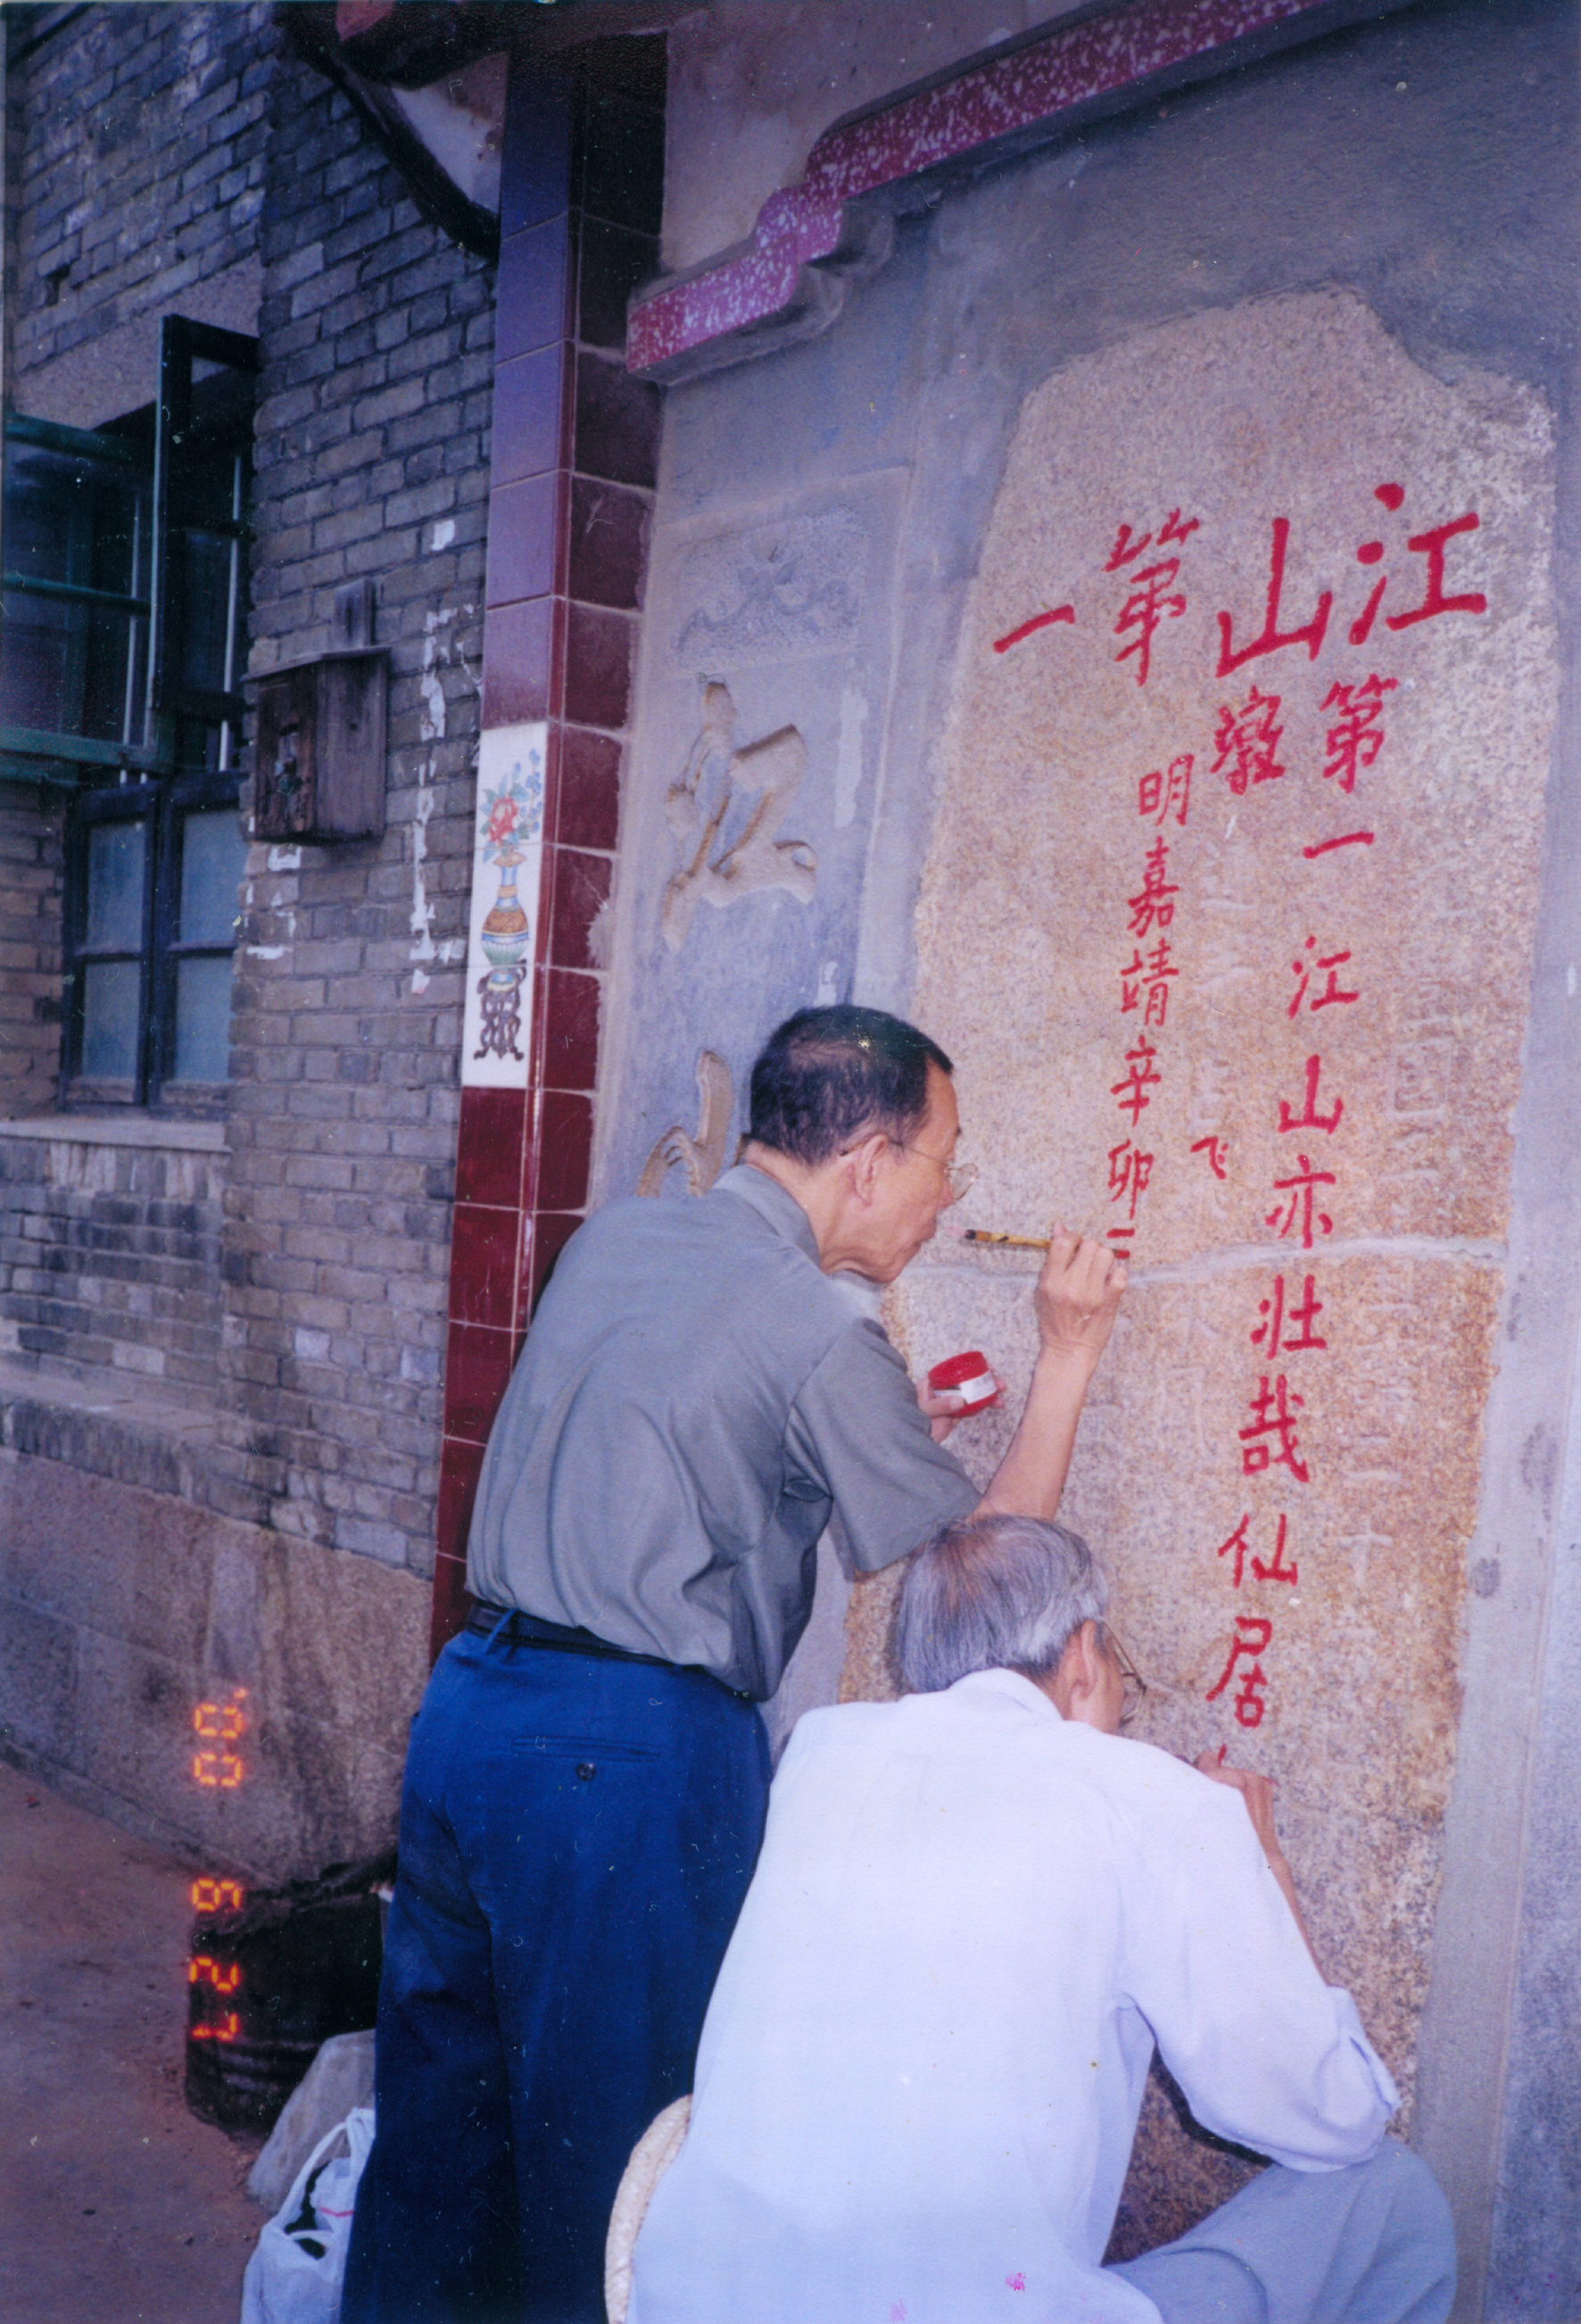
{"x":519,"y":1629}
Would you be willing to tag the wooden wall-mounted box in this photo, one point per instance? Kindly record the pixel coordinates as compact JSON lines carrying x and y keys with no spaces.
{"x":318,"y":762}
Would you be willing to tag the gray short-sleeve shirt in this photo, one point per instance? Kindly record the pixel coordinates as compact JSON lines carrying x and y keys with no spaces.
{"x":695,"y":1400}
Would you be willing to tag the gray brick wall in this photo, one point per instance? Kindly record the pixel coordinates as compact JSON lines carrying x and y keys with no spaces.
{"x":371,"y":460}
{"x":30,"y":948}
{"x":109,"y":1259}
{"x":138,"y":136}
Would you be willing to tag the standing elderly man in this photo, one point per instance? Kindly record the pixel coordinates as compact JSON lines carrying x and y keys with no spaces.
{"x":976,"y":1912}
{"x":587,"y":1778}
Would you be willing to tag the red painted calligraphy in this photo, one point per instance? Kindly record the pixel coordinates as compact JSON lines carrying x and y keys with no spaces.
{"x":1302,"y":1188}
{"x":1354,"y":741}
{"x":1129,"y":545}
{"x":1273,"y":1335}
{"x":1272,"y":639}
{"x":1161,"y":795}
{"x":1253,"y":1635}
{"x":1311,"y":1119}
{"x":1150,"y":977}
{"x":1270,"y":1436}
{"x":1129,"y":1172}
{"x":1432,"y":546}
{"x":1030,"y":629}
{"x":1331,"y":996}
{"x":1246,"y":739}
{"x":1153,"y":906}
{"x":1132,"y":1093}
{"x":1240,"y":1547}
{"x":1216,"y":1150}
{"x":1153,"y":600}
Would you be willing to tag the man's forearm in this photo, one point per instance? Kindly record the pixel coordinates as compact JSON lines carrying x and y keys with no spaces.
{"x":1031,"y":1478}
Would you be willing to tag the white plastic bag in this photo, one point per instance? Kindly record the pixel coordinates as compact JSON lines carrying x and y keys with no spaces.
{"x":295,"y":2274}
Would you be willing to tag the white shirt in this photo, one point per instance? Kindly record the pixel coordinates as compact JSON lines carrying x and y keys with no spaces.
{"x":920,"y":2076}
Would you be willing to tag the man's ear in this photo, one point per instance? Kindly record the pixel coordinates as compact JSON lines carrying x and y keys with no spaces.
{"x":1080,"y":1673}
{"x":865,"y":1160}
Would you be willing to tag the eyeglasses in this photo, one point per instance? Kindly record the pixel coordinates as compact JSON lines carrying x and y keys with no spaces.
{"x":1131,"y":1679}
{"x":959,"y":1177}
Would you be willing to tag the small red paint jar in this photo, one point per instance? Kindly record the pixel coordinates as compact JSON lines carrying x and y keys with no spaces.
{"x":970,"y":1377}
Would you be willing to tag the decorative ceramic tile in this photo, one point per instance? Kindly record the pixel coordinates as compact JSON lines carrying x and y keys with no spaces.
{"x":507,"y":862}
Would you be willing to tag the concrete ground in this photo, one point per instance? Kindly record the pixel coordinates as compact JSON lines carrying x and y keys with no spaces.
{"x":117,"y":2205}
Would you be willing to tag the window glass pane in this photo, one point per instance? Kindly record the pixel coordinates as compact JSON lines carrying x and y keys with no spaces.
{"x":209,"y":604}
{"x":110,"y":991}
{"x":203,"y":1019}
{"x":69,"y":517}
{"x":114,"y":887}
{"x":213,"y":854}
{"x":63,"y":667}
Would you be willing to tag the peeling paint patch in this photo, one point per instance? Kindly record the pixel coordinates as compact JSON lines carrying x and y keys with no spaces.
{"x":285,"y":859}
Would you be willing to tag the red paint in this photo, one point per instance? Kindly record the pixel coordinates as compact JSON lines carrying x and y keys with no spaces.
{"x":1152,"y":601}
{"x":1152,"y":907}
{"x":1331,"y":996}
{"x":1253,"y":1635}
{"x":1345,"y":839}
{"x":1300,"y":1188}
{"x":1132,"y":1093}
{"x":1273,"y":1336}
{"x":1029,"y":628}
{"x":1272,"y":639}
{"x":1151,"y":976}
{"x":1311,"y":1119}
{"x":1161,"y":795}
{"x":1246,"y":739}
{"x":1278,"y":1570}
{"x":1216,"y":1149}
{"x":1130,"y":1173}
{"x":1354,"y":740}
{"x":1433,"y":547}
{"x":1270,"y":1436}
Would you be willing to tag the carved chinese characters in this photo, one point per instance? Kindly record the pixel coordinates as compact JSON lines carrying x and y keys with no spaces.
{"x":1227,"y":920}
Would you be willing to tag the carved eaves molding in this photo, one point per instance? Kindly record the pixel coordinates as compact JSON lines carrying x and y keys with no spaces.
{"x":814,"y":239}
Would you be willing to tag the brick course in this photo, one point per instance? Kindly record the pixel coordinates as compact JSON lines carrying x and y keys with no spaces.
{"x":372,"y":432}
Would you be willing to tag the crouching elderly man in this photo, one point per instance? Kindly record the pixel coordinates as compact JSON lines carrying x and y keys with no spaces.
{"x":976,"y":1912}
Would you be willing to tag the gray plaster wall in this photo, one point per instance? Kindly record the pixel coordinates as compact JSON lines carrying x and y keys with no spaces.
{"x":818,"y":519}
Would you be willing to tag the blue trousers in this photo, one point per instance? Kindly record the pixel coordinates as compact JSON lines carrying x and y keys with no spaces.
{"x":577,"y":1838}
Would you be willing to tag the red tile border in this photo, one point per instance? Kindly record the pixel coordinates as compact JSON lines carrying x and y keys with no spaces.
{"x":486,"y":1250}
{"x":552,"y":1230}
{"x":588,"y":792}
{"x":488,"y":1147}
{"x":478,"y":1362}
{"x":599,"y":650}
{"x":447,"y":1607}
{"x":565,"y":1150}
{"x":459,"y":1466}
{"x":571,"y":1022}
{"x":582,"y":889}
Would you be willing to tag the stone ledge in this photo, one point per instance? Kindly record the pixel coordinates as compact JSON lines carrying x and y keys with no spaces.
{"x":141,"y":1129}
{"x":130,"y":1430}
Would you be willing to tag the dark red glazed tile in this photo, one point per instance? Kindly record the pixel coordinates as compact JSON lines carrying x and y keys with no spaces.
{"x":608,"y":543}
{"x":528,"y":407}
{"x":611,"y":262}
{"x":477,"y":1365}
{"x":459,"y":1464}
{"x":598,"y":666}
{"x":447,"y":1607}
{"x":589,"y":809}
{"x":535,"y":159}
{"x":486,"y":1245}
{"x":518,"y":657}
{"x":523,"y":523}
{"x":617,"y":422}
{"x":552,"y":1230}
{"x":581,"y":890}
{"x":621,"y":158}
{"x":571,"y":1014}
{"x":565,"y":1150}
{"x":488,"y":1147}
{"x":532,"y":306}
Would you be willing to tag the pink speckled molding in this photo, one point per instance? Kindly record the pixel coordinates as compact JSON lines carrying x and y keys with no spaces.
{"x":684,"y":325}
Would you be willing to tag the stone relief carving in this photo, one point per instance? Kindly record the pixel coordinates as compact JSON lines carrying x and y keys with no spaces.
{"x":703,"y":1157}
{"x":787,"y":588}
{"x":768,"y":772}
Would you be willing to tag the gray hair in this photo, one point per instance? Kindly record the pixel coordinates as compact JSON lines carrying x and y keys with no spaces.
{"x":994,"y":1593}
